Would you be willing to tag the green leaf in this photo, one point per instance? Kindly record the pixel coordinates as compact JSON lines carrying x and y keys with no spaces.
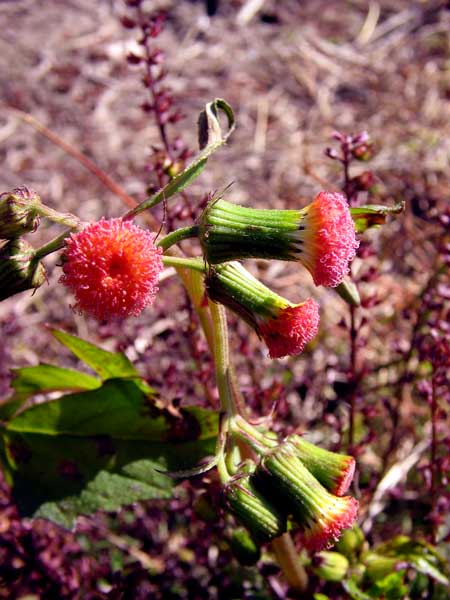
{"x":419,"y":555}
{"x":100,"y":449}
{"x":29,"y":381}
{"x":372,"y":215}
{"x":211,"y":139}
{"x":106,"y":364}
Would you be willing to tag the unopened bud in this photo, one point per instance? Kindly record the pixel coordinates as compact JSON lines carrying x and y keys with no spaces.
{"x":19,"y":212}
{"x":19,"y":269}
{"x":330,"y":566}
{"x":351,"y":541}
{"x":363,"y":152}
{"x":253,"y":510}
{"x":244,"y":547}
{"x":378,"y":567}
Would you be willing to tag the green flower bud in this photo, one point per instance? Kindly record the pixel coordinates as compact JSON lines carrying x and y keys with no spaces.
{"x":334,"y":471}
{"x":19,"y":213}
{"x":351,"y":541}
{"x":378,"y":567}
{"x":330,"y":566}
{"x":322,"y":516}
{"x":244,"y":548}
{"x":19,"y":269}
{"x":253,"y":510}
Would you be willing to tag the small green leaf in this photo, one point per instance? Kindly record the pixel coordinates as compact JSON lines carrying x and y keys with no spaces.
{"x":106,"y":364}
{"x":372,"y":215}
{"x":210,"y":139}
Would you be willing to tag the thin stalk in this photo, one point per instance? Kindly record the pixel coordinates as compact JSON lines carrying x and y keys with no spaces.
{"x":196,"y":264}
{"x":177,"y":236}
{"x":222,"y":358}
{"x":287,"y":557}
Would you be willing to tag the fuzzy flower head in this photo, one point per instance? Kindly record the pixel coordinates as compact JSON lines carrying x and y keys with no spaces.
{"x":288,"y":332}
{"x":112,"y":268}
{"x":329,"y":240}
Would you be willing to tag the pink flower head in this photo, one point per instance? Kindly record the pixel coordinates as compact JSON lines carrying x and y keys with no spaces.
{"x":288,"y":332}
{"x":324,"y":530}
{"x":112,"y":267}
{"x":330,"y":242}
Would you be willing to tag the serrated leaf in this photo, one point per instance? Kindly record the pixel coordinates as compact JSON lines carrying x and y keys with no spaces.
{"x":372,"y":215}
{"x":106,"y":364}
{"x":211,"y":139}
{"x":100,"y":449}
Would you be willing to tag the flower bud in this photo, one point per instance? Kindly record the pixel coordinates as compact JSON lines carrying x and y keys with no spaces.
{"x":330,"y":566}
{"x":334,"y":471}
{"x":351,"y":541}
{"x":253,"y":510}
{"x":19,"y":212}
{"x":378,"y":567}
{"x":244,"y":548}
{"x":19,"y":269}
{"x":286,"y":328}
{"x":321,"y":236}
{"x":287,"y":482}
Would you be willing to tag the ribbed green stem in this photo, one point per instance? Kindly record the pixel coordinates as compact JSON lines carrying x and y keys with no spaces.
{"x":177,"y":236}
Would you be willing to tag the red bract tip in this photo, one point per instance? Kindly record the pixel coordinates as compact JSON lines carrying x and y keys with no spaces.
{"x":330,"y":240}
{"x":342,"y":483}
{"x":112,"y":268}
{"x":329,"y":523}
{"x":288,"y":333}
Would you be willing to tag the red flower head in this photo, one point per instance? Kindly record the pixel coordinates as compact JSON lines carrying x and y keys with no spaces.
{"x":112,"y":267}
{"x":329,"y":239}
{"x":288,"y":332}
{"x":324,"y":529}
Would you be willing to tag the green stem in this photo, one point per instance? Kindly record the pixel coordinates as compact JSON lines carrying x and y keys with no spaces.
{"x":222,"y":358}
{"x":55,"y":244}
{"x":196,"y":264}
{"x":177,"y":236}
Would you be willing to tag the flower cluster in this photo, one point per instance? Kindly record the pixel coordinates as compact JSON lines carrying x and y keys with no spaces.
{"x":112,"y":267}
{"x":298,"y":483}
{"x":321,"y":236}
